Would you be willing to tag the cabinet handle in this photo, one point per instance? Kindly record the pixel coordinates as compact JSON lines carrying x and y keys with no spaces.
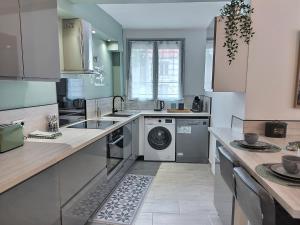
{"x":116,"y":141}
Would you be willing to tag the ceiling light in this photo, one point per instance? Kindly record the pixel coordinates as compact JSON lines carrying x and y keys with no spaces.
{"x":93,"y":32}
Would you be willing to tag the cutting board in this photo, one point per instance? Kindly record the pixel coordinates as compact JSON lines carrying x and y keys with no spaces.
{"x":178,"y":110}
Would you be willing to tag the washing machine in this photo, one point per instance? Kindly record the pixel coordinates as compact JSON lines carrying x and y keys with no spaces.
{"x":159,"y":139}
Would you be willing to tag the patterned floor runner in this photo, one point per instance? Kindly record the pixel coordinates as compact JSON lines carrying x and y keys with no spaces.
{"x":122,"y":206}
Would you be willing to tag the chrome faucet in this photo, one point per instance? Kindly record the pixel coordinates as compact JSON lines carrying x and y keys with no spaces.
{"x":114,"y":98}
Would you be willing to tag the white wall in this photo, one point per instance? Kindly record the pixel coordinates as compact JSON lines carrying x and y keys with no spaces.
{"x":195,"y":41}
{"x":224,"y":106}
{"x":273,"y":60}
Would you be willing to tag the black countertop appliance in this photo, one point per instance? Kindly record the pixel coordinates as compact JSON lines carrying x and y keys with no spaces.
{"x":276,"y":129}
{"x":197,"y":104}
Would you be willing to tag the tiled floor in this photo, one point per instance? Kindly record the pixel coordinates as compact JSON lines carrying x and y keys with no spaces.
{"x":181,"y":194}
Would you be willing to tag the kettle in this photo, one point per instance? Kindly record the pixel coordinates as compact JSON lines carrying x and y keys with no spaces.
{"x":159,"y":105}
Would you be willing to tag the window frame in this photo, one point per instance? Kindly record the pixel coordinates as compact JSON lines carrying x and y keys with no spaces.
{"x":155,"y":65}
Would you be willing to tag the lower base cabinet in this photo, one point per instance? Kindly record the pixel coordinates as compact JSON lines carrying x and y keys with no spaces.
{"x":33,"y":202}
{"x":83,"y":205}
{"x":223,"y":198}
{"x":68,"y":193}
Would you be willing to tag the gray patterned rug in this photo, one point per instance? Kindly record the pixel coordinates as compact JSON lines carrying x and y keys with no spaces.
{"x":123,"y":204}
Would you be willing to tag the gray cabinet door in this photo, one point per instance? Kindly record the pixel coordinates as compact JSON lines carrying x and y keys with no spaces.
{"x":11,"y":64}
{"x":33,"y":202}
{"x":81,"y":207}
{"x":127,"y":132}
{"x":39,"y":26}
{"x":194,"y":134}
{"x":80,"y":168}
{"x":135,"y":139}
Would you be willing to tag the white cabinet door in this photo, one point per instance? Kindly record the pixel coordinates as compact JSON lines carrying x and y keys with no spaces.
{"x":39,"y":26}
{"x":11,"y":65}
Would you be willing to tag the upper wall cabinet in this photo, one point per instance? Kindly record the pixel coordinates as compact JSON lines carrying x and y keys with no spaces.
{"x":39,"y":29}
{"x":11,"y":64}
{"x":219,"y":75}
{"x":29,"y":38}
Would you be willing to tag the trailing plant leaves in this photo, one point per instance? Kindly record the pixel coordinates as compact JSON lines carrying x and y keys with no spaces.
{"x":238,"y":24}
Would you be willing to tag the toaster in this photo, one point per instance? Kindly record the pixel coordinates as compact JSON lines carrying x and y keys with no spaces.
{"x":275,"y":129}
{"x":11,"y":137}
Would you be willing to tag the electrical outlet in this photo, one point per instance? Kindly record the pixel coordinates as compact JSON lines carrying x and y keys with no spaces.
{"x":21,"y":122}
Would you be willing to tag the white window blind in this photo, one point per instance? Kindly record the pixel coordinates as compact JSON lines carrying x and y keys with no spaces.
{"x":155,"y":70}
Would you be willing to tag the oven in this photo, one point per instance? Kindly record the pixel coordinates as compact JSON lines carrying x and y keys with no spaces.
{"x":115,"y":151}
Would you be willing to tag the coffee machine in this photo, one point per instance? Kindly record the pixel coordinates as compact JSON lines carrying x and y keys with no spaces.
{"x":197,"y":104}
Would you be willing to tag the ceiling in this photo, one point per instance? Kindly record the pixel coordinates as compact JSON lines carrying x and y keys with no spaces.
{"x":164,"y":15}
{"x":138,"y":1}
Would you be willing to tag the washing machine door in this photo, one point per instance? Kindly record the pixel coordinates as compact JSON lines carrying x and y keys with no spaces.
{"x":159,"y":138}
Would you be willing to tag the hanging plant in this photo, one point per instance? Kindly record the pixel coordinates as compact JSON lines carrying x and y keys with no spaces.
{"x":238,"y":24}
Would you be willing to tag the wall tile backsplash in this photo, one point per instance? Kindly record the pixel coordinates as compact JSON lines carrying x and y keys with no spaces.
{"x":35,"y":118}
{"x":105,"y":105}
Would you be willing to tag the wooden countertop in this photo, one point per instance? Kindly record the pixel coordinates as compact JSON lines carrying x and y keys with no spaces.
{"x":288,"y":197}
{"x":37,"y":155}
{"x":20,"y":164}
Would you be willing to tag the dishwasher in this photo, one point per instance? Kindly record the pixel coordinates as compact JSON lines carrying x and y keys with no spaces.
{"x":192,"y":140}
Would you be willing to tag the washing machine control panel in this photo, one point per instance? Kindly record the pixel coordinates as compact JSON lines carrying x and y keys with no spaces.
{"x":168,"y":121}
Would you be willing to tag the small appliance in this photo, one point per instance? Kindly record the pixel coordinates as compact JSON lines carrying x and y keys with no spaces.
{"x":159,"y":105}
{"x":159,"y":139}
{"x":197,"y":105}
{"x":11,"y":137}
{"x":276,"y":129}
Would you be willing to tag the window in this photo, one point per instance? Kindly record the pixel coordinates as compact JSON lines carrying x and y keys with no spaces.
{"x":155,"y":70}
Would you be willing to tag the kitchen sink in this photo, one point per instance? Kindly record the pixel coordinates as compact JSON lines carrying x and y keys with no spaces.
{"x":118,"y":115}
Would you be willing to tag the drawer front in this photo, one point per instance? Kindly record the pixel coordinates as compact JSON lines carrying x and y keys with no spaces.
{"x":84,"y":204}
{"x":33,"y":202}
{"x":78,"y":169}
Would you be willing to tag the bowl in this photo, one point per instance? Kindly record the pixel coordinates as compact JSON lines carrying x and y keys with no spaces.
{"x":251,"y":138}
{"x":291,"y":163}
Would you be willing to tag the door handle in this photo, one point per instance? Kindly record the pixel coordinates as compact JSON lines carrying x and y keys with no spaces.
{"x":116,"y":141}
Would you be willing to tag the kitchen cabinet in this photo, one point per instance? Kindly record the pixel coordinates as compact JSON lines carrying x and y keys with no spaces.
{"x":79,"y":209}
{"x":29,"y":40}
{"x":219,"y":75}
{"x":33,"y":202}
{"x":223,"y":198}
{"x":135,"y":139}
{"x":80,"y":168}
{"x":81,"y":176}
{"x":11,"y":64}
{"x":39,"y":29}
{"x":127,"y":145}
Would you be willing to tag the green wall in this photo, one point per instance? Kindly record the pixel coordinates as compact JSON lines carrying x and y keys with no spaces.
{"x":19,"y":94}
{"x":91,"y":87}
{"x":108,"y":27}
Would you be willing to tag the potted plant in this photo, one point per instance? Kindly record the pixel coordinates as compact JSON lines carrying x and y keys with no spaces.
{"x":238,"y":24}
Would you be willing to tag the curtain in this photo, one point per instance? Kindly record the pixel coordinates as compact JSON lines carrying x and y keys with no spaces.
{"x":169,"y":70}
{"x":141,"y":70}
{"x":155,"y":70}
